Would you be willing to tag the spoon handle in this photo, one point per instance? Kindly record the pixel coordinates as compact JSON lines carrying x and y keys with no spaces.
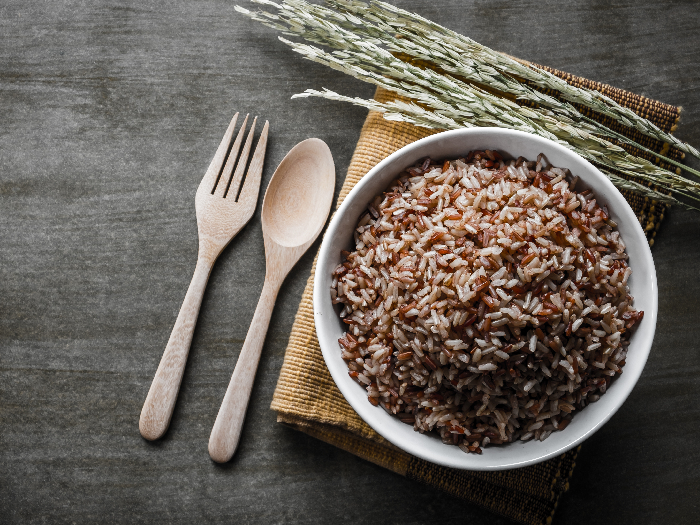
{"x":160,"y":402}
{"x":229,"y":421}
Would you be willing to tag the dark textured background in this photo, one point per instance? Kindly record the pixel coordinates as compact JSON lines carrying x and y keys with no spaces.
{"x":109,"y":115}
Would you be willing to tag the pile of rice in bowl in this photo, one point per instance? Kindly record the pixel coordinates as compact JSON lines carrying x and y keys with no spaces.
{"x":485,"y":300}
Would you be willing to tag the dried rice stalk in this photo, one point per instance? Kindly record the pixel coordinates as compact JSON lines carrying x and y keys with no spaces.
{"x":358,"y":30}
{"x":411,"y":23}
{"x":342,"y":30}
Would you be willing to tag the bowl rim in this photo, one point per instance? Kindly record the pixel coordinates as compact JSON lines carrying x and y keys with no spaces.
{"x":348,"y":387}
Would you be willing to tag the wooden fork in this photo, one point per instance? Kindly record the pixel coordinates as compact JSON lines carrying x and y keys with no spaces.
{"x":221,"y":213}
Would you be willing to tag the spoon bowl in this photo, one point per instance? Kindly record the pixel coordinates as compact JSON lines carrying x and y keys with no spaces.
{"x":295,"y":208}
{"x":297,"y":200}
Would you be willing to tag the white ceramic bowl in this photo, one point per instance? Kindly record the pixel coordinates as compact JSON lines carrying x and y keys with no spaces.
{"x":451,"y":145}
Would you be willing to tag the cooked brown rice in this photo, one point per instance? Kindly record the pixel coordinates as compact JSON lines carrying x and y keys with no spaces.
{"x":485,"y":300}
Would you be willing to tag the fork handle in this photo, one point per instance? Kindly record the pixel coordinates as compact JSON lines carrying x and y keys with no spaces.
{"x":160,"y":402}
{"x":229,"y":421}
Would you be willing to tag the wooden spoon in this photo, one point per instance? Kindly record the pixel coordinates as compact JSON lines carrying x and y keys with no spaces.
{"x":295,"y":208}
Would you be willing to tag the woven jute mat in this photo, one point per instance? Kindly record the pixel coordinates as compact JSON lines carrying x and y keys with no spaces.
{"x":307,"y":399}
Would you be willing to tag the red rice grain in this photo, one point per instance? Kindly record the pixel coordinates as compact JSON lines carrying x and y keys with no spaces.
{"x":485,"y":300}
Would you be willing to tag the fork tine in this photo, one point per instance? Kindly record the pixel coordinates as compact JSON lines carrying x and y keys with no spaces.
{"x":251,"y":185}
{"x":214,"y":169}
{"x":223,"y":181}
{"x":242,"y":163}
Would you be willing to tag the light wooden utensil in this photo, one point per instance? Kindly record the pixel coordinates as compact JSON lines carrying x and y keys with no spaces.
{"x":295,"y":208}
{"x":221,"y":213}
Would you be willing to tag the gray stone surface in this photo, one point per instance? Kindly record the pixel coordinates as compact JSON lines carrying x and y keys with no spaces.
{"x":110,"y":113}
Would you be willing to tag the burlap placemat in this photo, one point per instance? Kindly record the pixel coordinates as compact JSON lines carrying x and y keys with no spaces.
{"x":307,"y":399}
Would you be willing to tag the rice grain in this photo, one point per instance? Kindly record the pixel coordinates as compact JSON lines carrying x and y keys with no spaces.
{"x":485,"y":300}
